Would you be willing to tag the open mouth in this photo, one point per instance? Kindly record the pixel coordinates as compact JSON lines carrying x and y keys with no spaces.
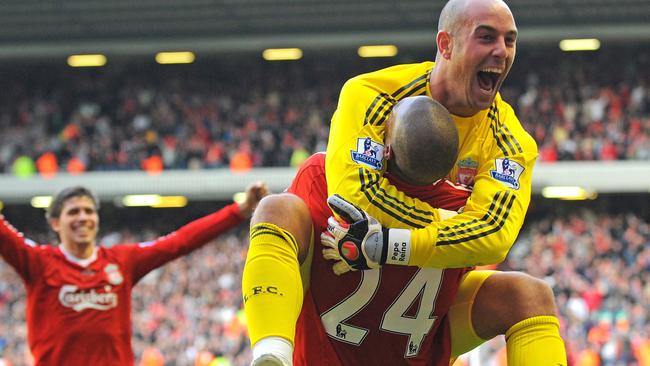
{"x":488,"y":79}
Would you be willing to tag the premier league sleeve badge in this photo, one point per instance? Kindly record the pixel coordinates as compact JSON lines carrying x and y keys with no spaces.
{"x":507,"y":172}
{"x":368,"y":153}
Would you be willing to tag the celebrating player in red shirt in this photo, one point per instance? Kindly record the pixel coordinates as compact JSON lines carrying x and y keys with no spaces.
{"x":79,"y":294}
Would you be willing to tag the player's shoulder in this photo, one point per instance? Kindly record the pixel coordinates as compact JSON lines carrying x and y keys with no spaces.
{"x":45,"y":252}
{"x":313,"y":165}
{"x":509,"y":124}
{"x":117,"y":250}
{"x":503,"y":110}
{"x":46,"y":255}
{"x":316,"y":159}
{"x":392,"y":77}
{"x":310,"y":170}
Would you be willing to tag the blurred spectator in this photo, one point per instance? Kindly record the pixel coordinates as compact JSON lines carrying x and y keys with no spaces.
{"x":199,"y":116}
{"x":152,"y":356}
{"x":23,"y":167}
{"x":598,"y":267}
{"x":190,"y":309}
{"x":47,"y":165}
{"x":204,"y":117}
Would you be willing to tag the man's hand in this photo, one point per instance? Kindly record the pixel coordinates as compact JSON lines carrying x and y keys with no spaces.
{"x":360,"y":242}
{"x":357,"y":242}
{"x":254,"y":193}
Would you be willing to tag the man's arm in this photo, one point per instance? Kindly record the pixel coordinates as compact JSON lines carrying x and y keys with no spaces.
{"x":492,"y":218}
{"x":362,"y":112}
{"x":18,"y":251}
{"x":495,"y":211}
{"x":150,"y":255}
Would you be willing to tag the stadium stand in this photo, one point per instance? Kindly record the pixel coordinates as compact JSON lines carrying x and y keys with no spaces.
{"x":135,"y":115}
{"x":202,"y":117}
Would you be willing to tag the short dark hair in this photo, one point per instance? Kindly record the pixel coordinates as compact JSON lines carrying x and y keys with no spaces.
{"x":56,"y":206}
{"x":424,"y":141}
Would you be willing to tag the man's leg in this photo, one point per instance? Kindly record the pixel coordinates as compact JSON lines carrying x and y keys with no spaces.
{"x":521,"y":307}
{"x":280,"y":236}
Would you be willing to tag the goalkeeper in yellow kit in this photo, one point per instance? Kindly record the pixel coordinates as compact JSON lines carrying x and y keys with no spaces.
{"x":476,"y":47}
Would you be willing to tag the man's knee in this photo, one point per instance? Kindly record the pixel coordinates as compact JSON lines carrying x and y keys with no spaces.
{"x":530,"y":294}
{"x":290,"y":213}
{"x":507,"y":298}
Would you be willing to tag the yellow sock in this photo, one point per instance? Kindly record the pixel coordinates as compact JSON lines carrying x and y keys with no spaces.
{"x":536,"y":341}
{"x":271,"y":283}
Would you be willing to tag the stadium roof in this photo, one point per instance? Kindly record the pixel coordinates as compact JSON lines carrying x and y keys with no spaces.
{"x":37,"y":28}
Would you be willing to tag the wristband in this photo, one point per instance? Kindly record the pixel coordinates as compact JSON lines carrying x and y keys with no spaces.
{"x":399,"y":247}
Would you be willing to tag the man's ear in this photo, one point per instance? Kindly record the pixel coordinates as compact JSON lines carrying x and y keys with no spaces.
{"x":444,"y":43}
{"x":388,"y":152}
{"x":55,"y":224}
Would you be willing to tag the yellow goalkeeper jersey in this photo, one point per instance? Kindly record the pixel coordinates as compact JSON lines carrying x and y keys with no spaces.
{"x":495,"y":160}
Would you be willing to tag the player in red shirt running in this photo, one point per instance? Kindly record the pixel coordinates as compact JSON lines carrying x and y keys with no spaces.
{"x":79,"y":293}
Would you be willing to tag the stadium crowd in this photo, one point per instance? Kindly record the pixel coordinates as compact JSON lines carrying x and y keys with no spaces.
{"x":599,"y":267}
{"x":189,"y":311}
{"x":576,"y":110}
{"x":200,"y":116}
{"x":204,"y":116}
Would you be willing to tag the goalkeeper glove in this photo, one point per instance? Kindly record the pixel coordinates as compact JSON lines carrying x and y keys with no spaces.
{"x":360,"y":242}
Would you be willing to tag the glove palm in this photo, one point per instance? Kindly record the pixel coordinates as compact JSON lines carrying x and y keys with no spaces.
{"x":358,"y":243}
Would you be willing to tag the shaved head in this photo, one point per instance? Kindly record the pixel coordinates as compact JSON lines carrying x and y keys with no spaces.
{"x":452,"y":14}
{"x":423,"y":140}
{"x":449,"y":15}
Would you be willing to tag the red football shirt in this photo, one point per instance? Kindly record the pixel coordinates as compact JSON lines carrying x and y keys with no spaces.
{"x":82,"y":315}
{"x":395,"y":315}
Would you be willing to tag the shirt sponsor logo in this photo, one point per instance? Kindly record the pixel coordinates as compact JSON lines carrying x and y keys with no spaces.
{"x":368,"y":153}
{"x":70,"y":297}
{"x":467,"y":169}
{"x":507,"y":172}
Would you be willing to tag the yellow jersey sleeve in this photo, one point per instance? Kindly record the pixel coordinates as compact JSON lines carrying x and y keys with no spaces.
{"x":495,"y":211}
{"x":354,"y":162}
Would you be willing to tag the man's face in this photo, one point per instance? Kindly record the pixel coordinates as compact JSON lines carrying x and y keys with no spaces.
{"x":78,"y":223}
{"x":483,"y":51}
